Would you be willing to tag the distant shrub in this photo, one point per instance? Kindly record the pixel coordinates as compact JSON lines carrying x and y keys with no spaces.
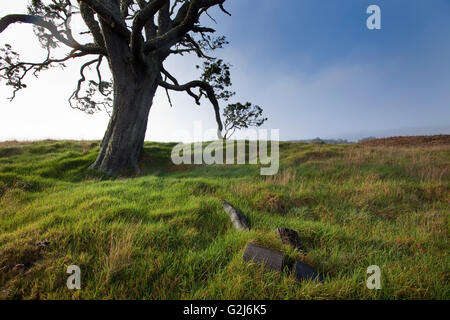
{"x":367,"y":139}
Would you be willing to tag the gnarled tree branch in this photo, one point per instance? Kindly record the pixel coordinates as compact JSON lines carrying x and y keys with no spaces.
{"x":38,"y":21}
{"x":88,"y":16}
{"x":147,"y":13}
{"x":209,"y":92}
{"x":115,"y":22}
{"x":16,"y":72}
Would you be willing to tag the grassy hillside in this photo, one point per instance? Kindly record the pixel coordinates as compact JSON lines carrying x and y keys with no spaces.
{"x":164,"y":235}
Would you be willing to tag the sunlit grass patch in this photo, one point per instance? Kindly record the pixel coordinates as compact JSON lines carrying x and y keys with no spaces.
{"x":164,"y":234}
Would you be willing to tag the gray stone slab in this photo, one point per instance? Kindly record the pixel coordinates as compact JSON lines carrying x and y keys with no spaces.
{"x":271,"y":259}
{"x":238,"y":219}
{"x":304,"y":272}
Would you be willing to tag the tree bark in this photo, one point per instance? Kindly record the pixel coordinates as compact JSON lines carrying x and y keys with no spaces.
{"x":124,"y":138}
{"x":135,"y":85}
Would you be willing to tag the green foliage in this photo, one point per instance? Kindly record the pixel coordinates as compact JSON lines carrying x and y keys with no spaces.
{"x":12,"y":68}
{"x":237,"y":116}
{"x":56,"y":11}
{"x":8,"y":58}
{"x":164,"y":235}
{"x":217,"y":74}
{"x":240,"y":116}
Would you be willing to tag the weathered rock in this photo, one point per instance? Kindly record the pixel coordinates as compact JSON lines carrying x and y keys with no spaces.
{"x":290,"y":237}
{"x":304,"y":272}
{"x":19,"y":267}
{"x":238,"y":219}
{"x":4,"y":291}
{"x":271,"y":259}
{"x":42,"y":244}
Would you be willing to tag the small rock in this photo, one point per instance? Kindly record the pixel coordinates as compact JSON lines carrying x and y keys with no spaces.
{"x":304,"y":272}
{"x":18,"y":267}
{"x":42,"y":244}
{"x":290,"y":237}
{"x":271,"y":259}
{"x":4,"y":293}
{"x":238,"y":219}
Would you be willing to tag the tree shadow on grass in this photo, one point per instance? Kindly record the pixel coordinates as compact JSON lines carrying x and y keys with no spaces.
{"x":156,"y":161}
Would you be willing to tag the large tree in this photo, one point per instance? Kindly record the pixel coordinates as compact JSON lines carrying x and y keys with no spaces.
{"x":135,"y":37}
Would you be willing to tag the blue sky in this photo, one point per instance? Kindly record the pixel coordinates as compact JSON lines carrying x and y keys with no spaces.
{"x":339,"y":78}
{"x":311,"y":64}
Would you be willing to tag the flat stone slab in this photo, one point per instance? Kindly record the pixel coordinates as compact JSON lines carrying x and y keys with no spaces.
{"x":304,"y":272}
{"x":271,"y":259}
{"x":238,"y":219}
{"x":290,"y":237}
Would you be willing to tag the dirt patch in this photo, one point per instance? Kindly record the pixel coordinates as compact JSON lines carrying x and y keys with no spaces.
{"x":412,"y":141}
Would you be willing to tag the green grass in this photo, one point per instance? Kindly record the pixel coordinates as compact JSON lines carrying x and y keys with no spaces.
{"x":164,"y":235}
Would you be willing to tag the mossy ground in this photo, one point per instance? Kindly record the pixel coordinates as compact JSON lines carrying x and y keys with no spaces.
{"x":164,"y":234}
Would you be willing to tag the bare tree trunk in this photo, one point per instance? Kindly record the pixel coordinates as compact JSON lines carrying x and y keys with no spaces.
{"x":124,"y":137}
{"x":135,"y":85}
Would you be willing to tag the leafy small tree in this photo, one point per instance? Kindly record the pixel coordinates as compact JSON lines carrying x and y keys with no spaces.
{"x":135,"y":38}
{"x":240,"y":116}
